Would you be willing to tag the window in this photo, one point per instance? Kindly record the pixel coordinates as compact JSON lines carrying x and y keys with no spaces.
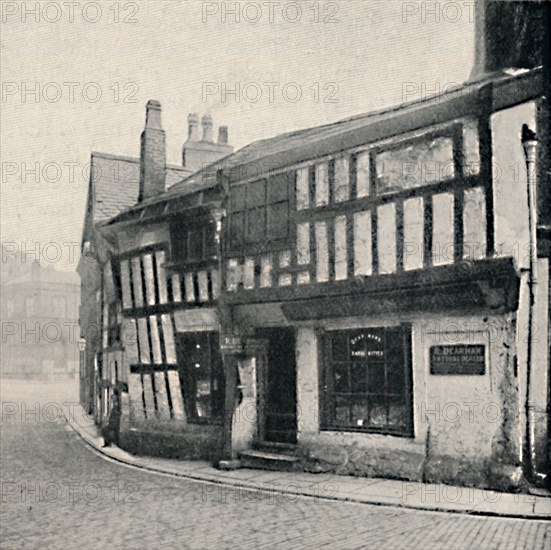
{"x":259,"y":210}
{"x":194,"y":244}
{"x":201,"y":375}
{"x":415,"y":165}
{"x":367,"y":380}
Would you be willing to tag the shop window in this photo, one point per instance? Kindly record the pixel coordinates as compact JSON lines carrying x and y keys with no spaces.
{"x":367,"y":380}
{"x":259,"y":211}
{"x":201,"y":375}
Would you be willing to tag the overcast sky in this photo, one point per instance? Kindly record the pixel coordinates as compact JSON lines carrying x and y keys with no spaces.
{"x":94,"y":72}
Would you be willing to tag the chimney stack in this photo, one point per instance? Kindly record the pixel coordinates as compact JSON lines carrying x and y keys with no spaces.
{"x":206,"y":121}
{"x":198,"y":153}
{"x":223,"y":135}
{"x":193,"y":127}
{"x":509,"y":35}
{"x":152,"y":153}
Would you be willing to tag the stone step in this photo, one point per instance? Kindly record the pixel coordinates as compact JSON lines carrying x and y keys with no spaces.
{"x":265,"y":460}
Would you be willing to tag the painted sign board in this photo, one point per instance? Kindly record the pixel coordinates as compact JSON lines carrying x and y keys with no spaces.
{"x":460,"y":359}
{"x":231,"y":344}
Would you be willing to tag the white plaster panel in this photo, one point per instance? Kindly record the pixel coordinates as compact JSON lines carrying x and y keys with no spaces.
{"x":363,"y":264}
{"x":144,"y":341}
{"x":341,"y":255}
{"x":160,"y":258}
{"x":474,"y":224}
{"x":386,"y":238}
{"x":125,"y":284}
{"x":155,"y":339}
{"x":442,"y":229}
{"x":149,"y":279}
{"x":322,"y":252}
{"x":413,"y":233}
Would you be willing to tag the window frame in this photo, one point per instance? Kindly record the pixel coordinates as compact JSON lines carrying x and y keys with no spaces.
{"x":328,"y":395}
{"x":188,"y":382}
{"x":278,"y":191}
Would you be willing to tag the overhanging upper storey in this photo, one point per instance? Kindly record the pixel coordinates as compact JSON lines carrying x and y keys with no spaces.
{"x":381,"y":198}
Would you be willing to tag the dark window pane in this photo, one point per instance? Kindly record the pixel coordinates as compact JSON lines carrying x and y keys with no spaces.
{"x":395,"y":377}
{"x":238,"y":195}
{"x":360,"y":416}
{"x":195,"y":244}
{"x":341,"y":377}
{"x":237,"y":228}
{"x":342,"y":410}
{"x":377,"y":411}
{"x":278,"y":220}
{"x":210,"y":241}
{"x":339,"y":346}
{"x":278,"y":188}
{"x":376,"y":377}
{"x":396,"y":412}
{"x":256,"y":194}
{"x":358,"y":378}
{"x":257,"y":225}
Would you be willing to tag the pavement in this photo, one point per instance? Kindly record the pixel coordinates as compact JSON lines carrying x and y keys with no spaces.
{"x":372,"y":491}
{"x":59,"y":490}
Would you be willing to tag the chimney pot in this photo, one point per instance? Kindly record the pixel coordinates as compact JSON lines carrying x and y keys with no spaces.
{"x":153,"y":115}
{"x":193,"y":127}
{"x":223,"y":135}
{"x":207,"y":128}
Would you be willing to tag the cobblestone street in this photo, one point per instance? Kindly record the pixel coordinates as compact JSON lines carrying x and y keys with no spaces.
{"x":57,"y":493}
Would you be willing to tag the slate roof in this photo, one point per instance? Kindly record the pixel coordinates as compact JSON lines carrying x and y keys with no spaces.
{"x":303,"y":145}
{"x":115,"y":183}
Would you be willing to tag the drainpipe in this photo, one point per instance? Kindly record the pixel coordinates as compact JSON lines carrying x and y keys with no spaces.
{"x":530,"y":145}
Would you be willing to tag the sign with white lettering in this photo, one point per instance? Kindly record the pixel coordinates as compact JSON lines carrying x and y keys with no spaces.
{"x":457,"y":360}
{"x":231,"y":343}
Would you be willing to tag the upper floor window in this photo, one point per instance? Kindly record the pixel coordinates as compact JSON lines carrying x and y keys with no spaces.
{"x":259,"y":210}
{"x":195,"y":243}
{"x":415,"y":165}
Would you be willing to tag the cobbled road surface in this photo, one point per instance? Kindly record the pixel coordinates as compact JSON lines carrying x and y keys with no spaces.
{"x":57,"y":493}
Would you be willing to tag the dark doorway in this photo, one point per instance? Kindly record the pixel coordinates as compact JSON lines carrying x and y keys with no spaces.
{"x":280,"y":416}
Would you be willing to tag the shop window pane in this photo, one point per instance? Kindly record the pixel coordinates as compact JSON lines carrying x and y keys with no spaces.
{"x":342,"y":410}
{"x":339,"y":342}
{"x":377,"y":411}
{"x":376,"y":377}
{"x":358,"y":378}
{"x":341,"y":378}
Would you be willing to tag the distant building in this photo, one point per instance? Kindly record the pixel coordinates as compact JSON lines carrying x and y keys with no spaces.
{"x":39,"y":323}
{"x":362,"y":304}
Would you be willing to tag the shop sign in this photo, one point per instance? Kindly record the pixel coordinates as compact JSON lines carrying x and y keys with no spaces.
{"x":231,"y":344}
{"x":458,"y":360}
